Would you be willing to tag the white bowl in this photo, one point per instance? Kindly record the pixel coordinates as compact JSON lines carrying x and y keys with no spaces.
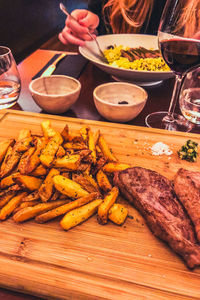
{"x":145,"y":78}
{"x":55,"y":93}
{"x":108,"y":96}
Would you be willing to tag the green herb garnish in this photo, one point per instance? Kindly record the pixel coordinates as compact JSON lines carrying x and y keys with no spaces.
{"x":189,"y":151}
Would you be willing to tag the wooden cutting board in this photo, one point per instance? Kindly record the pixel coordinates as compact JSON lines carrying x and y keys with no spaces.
{"x":92,"y":261}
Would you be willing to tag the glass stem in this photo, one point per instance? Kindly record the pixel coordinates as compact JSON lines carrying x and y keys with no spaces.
{"x":174,"y":99}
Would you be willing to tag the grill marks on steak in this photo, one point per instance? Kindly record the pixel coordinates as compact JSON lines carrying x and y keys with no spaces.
{"x":187,"y":188}
{"x":153,"y":195}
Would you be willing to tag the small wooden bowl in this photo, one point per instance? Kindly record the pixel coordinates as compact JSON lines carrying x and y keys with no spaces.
{"x":56,"y":93}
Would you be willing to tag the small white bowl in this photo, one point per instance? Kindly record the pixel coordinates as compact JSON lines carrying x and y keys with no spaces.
{"x":55,"y":93}
{"x":119,"y":101}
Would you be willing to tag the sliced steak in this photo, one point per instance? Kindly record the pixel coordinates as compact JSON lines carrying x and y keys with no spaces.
{"x":153,"y":195}
{"x":187,"y":188}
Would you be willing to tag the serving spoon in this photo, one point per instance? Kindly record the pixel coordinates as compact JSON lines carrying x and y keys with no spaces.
{"x":65,"y":11}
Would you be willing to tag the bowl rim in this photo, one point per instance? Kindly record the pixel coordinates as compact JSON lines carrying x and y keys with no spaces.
{"x":94,"y":60}
{"x":54,"y":95}
{"x":118,"y":83}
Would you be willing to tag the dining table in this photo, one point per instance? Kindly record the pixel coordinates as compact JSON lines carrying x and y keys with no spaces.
{"x":90,"y":77}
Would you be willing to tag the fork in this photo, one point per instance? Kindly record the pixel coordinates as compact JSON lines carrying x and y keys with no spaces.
{"x":64,"y":9}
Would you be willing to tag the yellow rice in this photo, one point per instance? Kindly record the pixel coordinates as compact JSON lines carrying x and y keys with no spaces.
{"x":115,"y":59}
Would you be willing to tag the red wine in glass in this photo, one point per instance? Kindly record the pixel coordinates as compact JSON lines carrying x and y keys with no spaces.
{"x":179,"y":42}
{"x":180,"y":54}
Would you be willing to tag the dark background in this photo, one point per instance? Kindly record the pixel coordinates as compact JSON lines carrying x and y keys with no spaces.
{"x":26,"y":24}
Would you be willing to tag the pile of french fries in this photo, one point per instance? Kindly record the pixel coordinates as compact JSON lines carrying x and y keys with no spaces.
{"x":66,"y":174}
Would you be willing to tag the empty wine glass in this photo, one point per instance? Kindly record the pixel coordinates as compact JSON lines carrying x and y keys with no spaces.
{"x":189,"y":99}
{"x":179,"y":42}
{"x":10,"y":83}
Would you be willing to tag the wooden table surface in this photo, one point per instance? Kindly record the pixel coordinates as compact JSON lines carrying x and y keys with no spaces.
{"x":158,"y":99}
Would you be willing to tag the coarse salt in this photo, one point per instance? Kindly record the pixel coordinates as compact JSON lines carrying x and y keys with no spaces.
{"x":161,"y":149}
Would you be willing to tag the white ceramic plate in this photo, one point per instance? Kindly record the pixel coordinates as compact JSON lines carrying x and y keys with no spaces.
{"x":90,"y":51}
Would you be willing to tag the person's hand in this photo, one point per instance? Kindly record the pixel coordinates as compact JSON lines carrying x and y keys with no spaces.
{"x":76,"y":32}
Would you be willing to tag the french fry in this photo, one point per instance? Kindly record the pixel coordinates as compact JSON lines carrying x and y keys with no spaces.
{"x":118,"y":213}
{"x":84,"y":182}
{"x":6,"y":197}
{"x":49,"y":152}
{"x":11,"y":205}
{"x":46,"y":188}
{"x":75,"y":146}
{"x":92,"y":181}
{"x":23,"y":134}
{"x":28,"y":182}
{"x":84,"y":133}
{"x":34,"y":196}
{"x":4,"y":145}
{"x":48,"y":131}
{"x":61,"y":210}
{"x":24,"y":161}
{"x":10,"y":162}
{"x":23,"y":145}
{"x":33,"y":160}
{"x":96,"y":137}
{"x":105,"y":206}
{"x":103,"y":181}
{"x":65,"y":133}
{"x":8,"y":181}
{"x":79,"y":215}
{"x":92,"y":146}
{"x":27,"y":213}
{"x":25,"y":204}
{"x":68,"y":187}
{"x":69,"y":162}
{"x":105,"y":149}
{"x":61,"y":152}
{"x":115,"y":166}
{"x":39,"y":171}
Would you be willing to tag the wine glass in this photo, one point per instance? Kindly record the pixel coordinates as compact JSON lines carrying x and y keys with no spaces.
{"x":179,"y":42}
{"x":10,"y":84}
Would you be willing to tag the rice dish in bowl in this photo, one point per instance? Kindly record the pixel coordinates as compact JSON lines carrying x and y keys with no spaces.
{"x":141,"y":77}
{"x":140,"y":58}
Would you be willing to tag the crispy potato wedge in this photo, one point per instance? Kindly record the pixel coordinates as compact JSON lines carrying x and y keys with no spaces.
{"x":10,"y":162}
{"x":68,"y":162}
{"x":92,"y":181}
{"x":4,"y":145}
{"x":23,"y":134}
{"x":103,"y":181}
{"x":39,"y":171}
{"x":105,"y":149}
{"x":11,"y":205}
{"x":33,"y":160}
{"x":30,"y":212}
{"x":61,"y":152}
{"x":84,"y":133}
{"x":28,"y":182}
{"x":24,"y":161}
{"x":75,"y":146}
{"x":46,"y":188}
{"x":84,"y":182}
{"x":118,"y":213}
{"x":23,"y":145}
{"x":105,"y":206}
{"x":49,"y":152}
{"x":47,"y":130}
{"x":68,"y":187}
{"x":34,"y":196}
{"x":115,"y":166}
{"x":61,"y":210}
{"x":6,"y":197}
{"x":92,"y":146}
{"x":25,"y":204}
{"x":65,"y":133}
{"x":96,"y":137}
{"x":79,"y":215}
{"x":8,"y":181}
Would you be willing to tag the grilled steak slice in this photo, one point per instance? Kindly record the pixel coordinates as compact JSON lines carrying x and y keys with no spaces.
{"x":153,"y":195}
{"x":187,"y":188}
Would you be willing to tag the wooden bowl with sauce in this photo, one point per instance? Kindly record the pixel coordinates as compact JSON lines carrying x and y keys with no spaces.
{"x":119,"y":101}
